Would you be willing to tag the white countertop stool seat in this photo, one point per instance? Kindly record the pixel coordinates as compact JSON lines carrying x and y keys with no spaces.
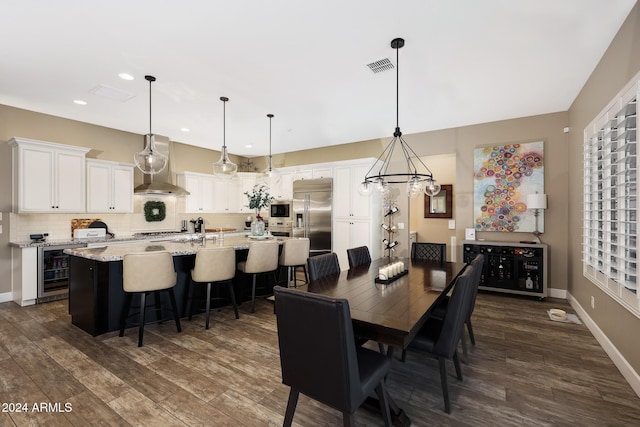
{"x":213,"y":266}
{"x":261,"y":258}
{"x":142,"y":274}
{"x":294,"y":254}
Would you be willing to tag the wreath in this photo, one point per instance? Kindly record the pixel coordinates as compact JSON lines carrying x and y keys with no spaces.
{"x":154,"y":211}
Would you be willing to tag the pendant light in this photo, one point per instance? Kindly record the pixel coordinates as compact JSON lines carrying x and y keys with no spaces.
{"x":417,"y":182}
{"x":270,"y":176}
{"x":150,"y":161}
{"x":224,"y":167}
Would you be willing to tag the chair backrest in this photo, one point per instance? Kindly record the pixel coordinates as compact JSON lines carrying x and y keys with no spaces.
{"x":429,"y":251}
{"x":323,"y":265}
{"x":214,"y":265}
{"x":455,"y":315}
{"x":262,"y":257}
{"x":358,"y":256}
{"x":477,"y":263}
{"x":148,"y":271}
{"x":295,"y":252}
{"x":317,"y":347}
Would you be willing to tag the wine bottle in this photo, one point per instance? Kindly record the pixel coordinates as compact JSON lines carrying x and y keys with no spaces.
{"x":392,"y":211}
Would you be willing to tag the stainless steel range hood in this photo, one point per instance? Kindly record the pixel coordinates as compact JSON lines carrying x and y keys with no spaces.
{"x":161,"y":184}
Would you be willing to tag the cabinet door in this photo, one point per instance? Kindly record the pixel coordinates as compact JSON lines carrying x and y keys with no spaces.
{"x":246,"y":185}
{"x":304,"y":174}
{"x":323,"y":173}
{"x":122,"y":189}
{"x":341,"y":193}
{"x":70,"y":182}
{"x":98,"y":187}
{"x":341,"y":241}
{"x":192,"y":184}
{"x":284,"y":189}
{"x":206,"y":194}
{"x":36,"y":180}
{"x":360,"y":205}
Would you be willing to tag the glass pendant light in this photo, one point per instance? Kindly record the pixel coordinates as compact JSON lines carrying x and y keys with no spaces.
{"x":270,"y":176}
{"x":150,"y":161}
{"x":224,"y":167}
{"x":432,"y":189}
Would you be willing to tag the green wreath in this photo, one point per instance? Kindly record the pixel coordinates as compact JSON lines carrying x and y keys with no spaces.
{"x":154,"y":211}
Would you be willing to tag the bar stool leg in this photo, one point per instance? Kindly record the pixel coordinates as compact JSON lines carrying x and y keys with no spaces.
{"x":206,"y":323}
{"x":190,"y":300}
{"x":125,"y":312}
{"x":143,"y":304}
{"x":174,"y":306}
{"x":233,"y":298}
{"x":253,"y":294}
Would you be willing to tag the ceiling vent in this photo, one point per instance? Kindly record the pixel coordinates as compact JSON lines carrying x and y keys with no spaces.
{"x":381,"y":65}
{"x":112,"y":93}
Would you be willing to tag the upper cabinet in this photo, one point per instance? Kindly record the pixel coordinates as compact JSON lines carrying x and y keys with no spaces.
{"x":283,"y":190}
{"x":226,"y":195}
{"x":109,"y":186}
{"x":348,"y":203}
{"x":48,"y":177}
{"x":247,"y":181}
{"x":201,"y":188}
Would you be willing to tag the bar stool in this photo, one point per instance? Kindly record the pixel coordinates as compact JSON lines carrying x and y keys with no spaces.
{"x":213,"y":266}
{"x":294,"y":254}
{"x":262,"y":258}
{"x":143,"y":273}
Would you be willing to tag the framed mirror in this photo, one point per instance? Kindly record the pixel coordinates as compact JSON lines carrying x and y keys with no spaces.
{"x":440,"y":205}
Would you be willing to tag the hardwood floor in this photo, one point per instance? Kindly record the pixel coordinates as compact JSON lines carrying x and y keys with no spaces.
{"x":524,"y":371}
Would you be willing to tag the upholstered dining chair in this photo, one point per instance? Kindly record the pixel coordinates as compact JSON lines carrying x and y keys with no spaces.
{"x":142,"y":274}
{"x":319,"y":358}
{"x":429,"y":251}
{"x":294,"y":254}
{"x":262,"y":258}
{"x":358,"y":256}
{"x":323,"y":265}
{"x":213,"y":266}
{"x":440,"y":337}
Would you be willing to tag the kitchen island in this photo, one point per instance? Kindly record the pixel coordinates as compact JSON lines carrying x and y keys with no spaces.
{"x":96,"y":295}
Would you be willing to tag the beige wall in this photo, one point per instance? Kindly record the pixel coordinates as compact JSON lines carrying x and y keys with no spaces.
{"x":619,"y":64}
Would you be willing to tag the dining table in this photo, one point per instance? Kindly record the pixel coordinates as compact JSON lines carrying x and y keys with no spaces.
{"x":392,"y":311}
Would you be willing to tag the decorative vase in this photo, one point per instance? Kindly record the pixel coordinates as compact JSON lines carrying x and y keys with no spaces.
{"x":257,"y":226}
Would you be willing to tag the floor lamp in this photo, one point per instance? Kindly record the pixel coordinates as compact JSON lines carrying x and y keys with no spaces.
{"x":536,"y":202}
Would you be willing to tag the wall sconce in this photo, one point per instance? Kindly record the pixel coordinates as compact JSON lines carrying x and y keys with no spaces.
{"x":536,"y":202}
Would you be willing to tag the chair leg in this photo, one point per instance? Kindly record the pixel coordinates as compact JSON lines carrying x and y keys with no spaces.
{"x":381,"y":391}
{"x":143,"y":304}
{"x":347,"y":420}
{"x":233,"y":299}
{"x":472,"y":338}
{"x":463,"y":341}
{"x":291,"y":407}
{"x":156,"y":297}
{"x":190,"y":299}
{"x":174,"y":306}
{"x":289,"y":276}
{"x":456,"y":363}
{"x":443,"y":382}
{"x":404,"y":355}
{"x":306,"y":276}
{"x":125,"y":312}
{"x":253,"y":294}
{"x":208,"y":306}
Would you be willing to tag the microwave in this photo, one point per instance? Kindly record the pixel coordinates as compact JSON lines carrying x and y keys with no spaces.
{"x":280,"y":210}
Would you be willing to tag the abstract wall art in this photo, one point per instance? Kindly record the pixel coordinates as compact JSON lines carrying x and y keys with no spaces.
{"x":503,"y":177}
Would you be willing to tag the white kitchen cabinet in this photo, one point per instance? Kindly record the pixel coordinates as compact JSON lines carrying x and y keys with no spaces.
{"x":247,"y":181}
{"x":226,"y":195}
{"x":284,"y":189}
{"x":24,"y":265}
{"x":201,"y":188}
{"x":351,"y":233}
{"x":317,"y":173}
{"x":303,"y":174}
{"x":347,"y":200}
{"x":48,"y":177}
{"x":109,"y":186}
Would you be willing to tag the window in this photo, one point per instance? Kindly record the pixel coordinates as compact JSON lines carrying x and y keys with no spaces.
{"x":610,"y":199}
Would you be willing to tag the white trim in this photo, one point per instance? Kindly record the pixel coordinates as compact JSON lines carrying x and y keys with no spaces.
{"x":558,"y":293}
{"x":6,"y":297}
{"x":616,"y":357}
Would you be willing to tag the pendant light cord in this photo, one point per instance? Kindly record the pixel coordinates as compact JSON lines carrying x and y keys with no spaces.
{"x":224,"y":121}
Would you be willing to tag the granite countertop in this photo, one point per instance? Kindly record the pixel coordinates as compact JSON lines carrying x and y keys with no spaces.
{"x":110,"y":253}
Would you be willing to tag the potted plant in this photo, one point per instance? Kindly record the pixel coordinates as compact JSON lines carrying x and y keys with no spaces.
{"x":258,"y":198}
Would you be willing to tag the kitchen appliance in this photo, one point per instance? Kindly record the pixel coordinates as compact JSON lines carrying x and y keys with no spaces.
{"x":312,"y":204}
{"x":280,"y":209}
{"x":89,"y":233}
{"x":53,"y":272}
{"x":281,"y":227}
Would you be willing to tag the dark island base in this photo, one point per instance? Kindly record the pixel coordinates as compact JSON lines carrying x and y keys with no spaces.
{"x":96,"y":296}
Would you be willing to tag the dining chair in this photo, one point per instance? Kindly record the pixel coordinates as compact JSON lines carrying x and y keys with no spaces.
{"x":142,"y":274}
{"x":323,"y":265}
{"x":213,"y":266}
{"x":294,"y":254}
{"x":358,"y":256}
{"x":319,"y":358}
{"x":429,"y":251}
{"x":440,"y":337}
{"x":261,"y":258}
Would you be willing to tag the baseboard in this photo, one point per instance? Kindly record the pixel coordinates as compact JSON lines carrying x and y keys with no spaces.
{"x":618,"y":359}
{"x":557,"y":293}
{"x":6,"y":296}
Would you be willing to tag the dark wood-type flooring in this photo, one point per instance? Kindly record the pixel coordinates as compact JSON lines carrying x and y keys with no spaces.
{"x":524,"y":371}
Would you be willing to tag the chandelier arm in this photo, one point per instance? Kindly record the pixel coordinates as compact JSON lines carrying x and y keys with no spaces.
{"x":413,"y":155}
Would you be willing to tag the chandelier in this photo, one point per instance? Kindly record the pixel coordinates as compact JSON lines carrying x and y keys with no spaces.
{"x":379,"y":177}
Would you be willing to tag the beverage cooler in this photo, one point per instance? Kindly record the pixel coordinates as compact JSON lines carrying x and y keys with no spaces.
{"x":53,"y":272}
{"x":518,"y":268}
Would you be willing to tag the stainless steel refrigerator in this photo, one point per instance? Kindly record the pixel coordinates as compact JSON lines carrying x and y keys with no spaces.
{"x":312,"y":201}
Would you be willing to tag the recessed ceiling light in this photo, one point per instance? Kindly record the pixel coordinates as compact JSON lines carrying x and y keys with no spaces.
{"x":79,"y":102}
{"x":185,"y":129}
{"x":126,"y":76}
{"x":248,"y":146}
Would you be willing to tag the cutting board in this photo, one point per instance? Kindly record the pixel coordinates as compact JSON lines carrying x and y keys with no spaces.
{"x":81,"y":223}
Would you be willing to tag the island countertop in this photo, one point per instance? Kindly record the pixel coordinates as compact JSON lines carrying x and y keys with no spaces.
{"x":176,"y":247}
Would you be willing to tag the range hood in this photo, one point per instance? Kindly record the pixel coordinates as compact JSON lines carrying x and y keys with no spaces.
{"x":160,"y":184}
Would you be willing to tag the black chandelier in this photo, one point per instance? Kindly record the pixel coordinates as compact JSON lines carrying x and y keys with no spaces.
{"x":379,"y":177}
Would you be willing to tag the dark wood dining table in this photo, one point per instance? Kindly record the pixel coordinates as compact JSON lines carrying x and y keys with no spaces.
{"x":391,"y":314}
